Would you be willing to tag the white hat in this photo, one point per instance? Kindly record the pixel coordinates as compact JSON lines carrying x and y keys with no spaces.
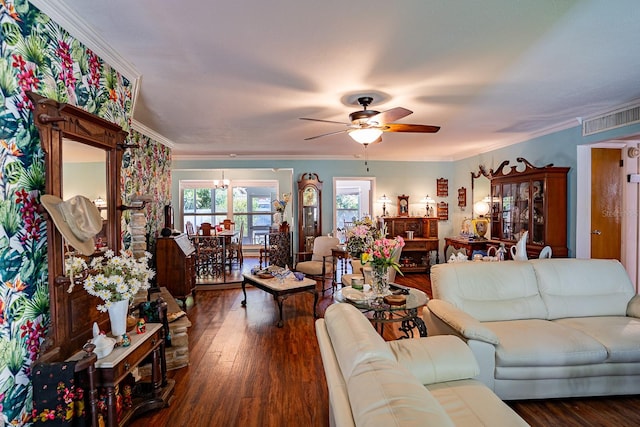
{"x":77,"y":219}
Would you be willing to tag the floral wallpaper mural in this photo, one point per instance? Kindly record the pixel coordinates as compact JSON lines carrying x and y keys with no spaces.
{"x":38,"y":55}
{"x":146,"y":171}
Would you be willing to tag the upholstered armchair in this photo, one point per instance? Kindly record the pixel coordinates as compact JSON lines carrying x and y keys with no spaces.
{"x":321,"y":266}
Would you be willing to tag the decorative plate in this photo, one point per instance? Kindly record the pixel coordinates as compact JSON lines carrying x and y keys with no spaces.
{"x":353,"y":295}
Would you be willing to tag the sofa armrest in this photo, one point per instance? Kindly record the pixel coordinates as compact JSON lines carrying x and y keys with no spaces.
{"x":633,"y":308}
{"x":436,"y":359}
{"x":464,"y":324}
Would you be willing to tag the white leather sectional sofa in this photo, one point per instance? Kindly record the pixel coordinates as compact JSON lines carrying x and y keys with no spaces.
{"x":416,"y":382}
{"x":542,"y":328}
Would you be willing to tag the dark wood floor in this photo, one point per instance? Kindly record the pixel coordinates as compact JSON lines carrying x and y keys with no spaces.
{"x":245,"y":371}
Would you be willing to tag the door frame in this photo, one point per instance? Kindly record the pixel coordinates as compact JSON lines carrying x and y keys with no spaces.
{"x":372,"y":190}
{"x":630,"y":220}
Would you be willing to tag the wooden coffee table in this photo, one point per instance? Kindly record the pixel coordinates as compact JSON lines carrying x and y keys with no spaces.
{"x":281,"y":291}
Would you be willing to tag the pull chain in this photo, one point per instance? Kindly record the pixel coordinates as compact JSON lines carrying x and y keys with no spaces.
{"x":366,"y":157}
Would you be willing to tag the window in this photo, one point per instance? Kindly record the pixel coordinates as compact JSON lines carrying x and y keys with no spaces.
{"x":352,"y":199}
{"x":201,"y":202}
{"x":250,"y":206}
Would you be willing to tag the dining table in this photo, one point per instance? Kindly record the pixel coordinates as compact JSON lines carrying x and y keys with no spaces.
{"x":212,"y":252}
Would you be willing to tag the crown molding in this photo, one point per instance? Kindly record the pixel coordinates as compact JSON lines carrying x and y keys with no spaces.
{"x":143,"y":129}
{"x":73,"y":23}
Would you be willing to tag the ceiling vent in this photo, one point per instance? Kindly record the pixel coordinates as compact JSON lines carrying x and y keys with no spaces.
{"x":612,"y":120}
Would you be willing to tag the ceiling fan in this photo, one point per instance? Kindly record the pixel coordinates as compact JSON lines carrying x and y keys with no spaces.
{"x":367,"y":126}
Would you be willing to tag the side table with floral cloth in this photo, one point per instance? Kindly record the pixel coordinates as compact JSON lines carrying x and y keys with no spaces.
{"x":278,"y":246}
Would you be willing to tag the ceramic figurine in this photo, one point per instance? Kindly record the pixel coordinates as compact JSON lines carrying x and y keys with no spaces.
{"x":519,"y":250}
{"x":126,"y":341}
{"x":141,"y":328}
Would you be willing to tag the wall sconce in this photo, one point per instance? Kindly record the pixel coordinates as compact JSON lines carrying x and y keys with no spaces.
{"x":221,"y":184}
{"x":100,"y":203}
{"x":384,"y":200}
{"x":428,"y":210}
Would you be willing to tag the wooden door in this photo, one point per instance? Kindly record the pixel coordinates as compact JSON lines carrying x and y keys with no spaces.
{"x":606,"y":203}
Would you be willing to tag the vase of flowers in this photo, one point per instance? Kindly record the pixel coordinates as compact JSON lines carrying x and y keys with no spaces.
{"x":280,"y":205}
{"x":118,"y":312}
{"x":380,"y":257}
{"x":113,"y":279}
{"x":361,"y":236}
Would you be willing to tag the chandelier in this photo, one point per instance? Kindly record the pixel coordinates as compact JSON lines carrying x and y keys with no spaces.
{"x":222,"y":184}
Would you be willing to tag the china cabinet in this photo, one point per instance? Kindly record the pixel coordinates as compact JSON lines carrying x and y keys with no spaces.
{"x":309,"y":210}
{"x":534,"y":200}
{"x":424,"y":239}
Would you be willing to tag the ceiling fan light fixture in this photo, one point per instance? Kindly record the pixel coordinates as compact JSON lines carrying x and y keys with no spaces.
{"x":365,"y":136}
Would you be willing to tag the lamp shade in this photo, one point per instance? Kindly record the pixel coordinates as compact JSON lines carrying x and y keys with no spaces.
{"x":427,"y":199}
{"x":481,"y":208}
{"x":365,"y":136}
{"x":384,"y":199}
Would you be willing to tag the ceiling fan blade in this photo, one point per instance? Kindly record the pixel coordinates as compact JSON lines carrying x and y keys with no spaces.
{"x":325,"y":134}
{"x":324,"y":121}
{"x":401,"y":127}
{"x":389,"y":116}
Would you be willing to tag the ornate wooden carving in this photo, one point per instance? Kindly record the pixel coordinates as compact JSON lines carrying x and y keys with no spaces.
{"x":73,"y":313}
{"x":309,"y":209}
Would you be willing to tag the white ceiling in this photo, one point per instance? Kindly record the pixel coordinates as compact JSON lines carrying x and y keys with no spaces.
{"x":234,"y":77}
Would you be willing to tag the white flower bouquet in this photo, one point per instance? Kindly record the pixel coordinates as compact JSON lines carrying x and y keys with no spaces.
{"x":111,"y":278}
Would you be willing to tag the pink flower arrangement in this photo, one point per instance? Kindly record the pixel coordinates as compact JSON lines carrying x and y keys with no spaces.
{"x":380,"y":253}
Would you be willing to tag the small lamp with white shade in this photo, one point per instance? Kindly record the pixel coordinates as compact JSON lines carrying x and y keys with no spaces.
{"x":481,"y":223}
{"x":428,"y":209}
{"x":384,"y":200}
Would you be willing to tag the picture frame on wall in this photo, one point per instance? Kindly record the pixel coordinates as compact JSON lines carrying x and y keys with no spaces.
{"x":462,"y":197}
{"x":442,"y":187}
{"x":403,"y":205}
{"x":443,"y":211}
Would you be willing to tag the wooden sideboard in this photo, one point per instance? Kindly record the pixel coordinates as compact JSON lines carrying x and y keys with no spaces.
{"x":469,"y":245}
{"x":415,"y":257}
{"x":117,"y":370}
{"x":176,"y":266}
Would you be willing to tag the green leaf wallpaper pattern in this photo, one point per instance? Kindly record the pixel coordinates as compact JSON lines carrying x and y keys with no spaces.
{"x":36,"y":54}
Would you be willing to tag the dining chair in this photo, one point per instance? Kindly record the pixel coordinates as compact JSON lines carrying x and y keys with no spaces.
{"x":190,"y":229}
{"x":321,"y":266}
{"x":227,"y":224}
{"x":205,"y":229}
{"x":209,"y":259}
{"x":235,"y":248}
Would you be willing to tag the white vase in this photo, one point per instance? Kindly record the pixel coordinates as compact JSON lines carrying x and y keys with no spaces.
{"x":118,"y":312}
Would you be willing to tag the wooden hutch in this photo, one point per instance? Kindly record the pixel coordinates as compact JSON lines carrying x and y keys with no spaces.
{"x":415,"y":254}
{"x":534,"y":200}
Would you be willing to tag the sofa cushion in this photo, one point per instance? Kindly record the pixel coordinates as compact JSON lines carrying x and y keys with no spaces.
{"x":384,"y":394}
{"x":583,"y":287}
{"x":471,"y":403}
{"x":436,"y":359}
{"x":354,"y":340}
{"x":489,"y":291}
{"x":619,"y":335}
{"x":539,"y":342}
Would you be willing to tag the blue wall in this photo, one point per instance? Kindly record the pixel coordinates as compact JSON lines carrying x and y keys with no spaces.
{"x":418,"y":179}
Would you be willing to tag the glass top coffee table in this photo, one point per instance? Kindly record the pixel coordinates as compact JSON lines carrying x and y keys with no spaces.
{"x":381,"y":313}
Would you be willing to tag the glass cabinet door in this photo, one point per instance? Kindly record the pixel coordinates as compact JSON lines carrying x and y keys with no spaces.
{"x":537,"y":219}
